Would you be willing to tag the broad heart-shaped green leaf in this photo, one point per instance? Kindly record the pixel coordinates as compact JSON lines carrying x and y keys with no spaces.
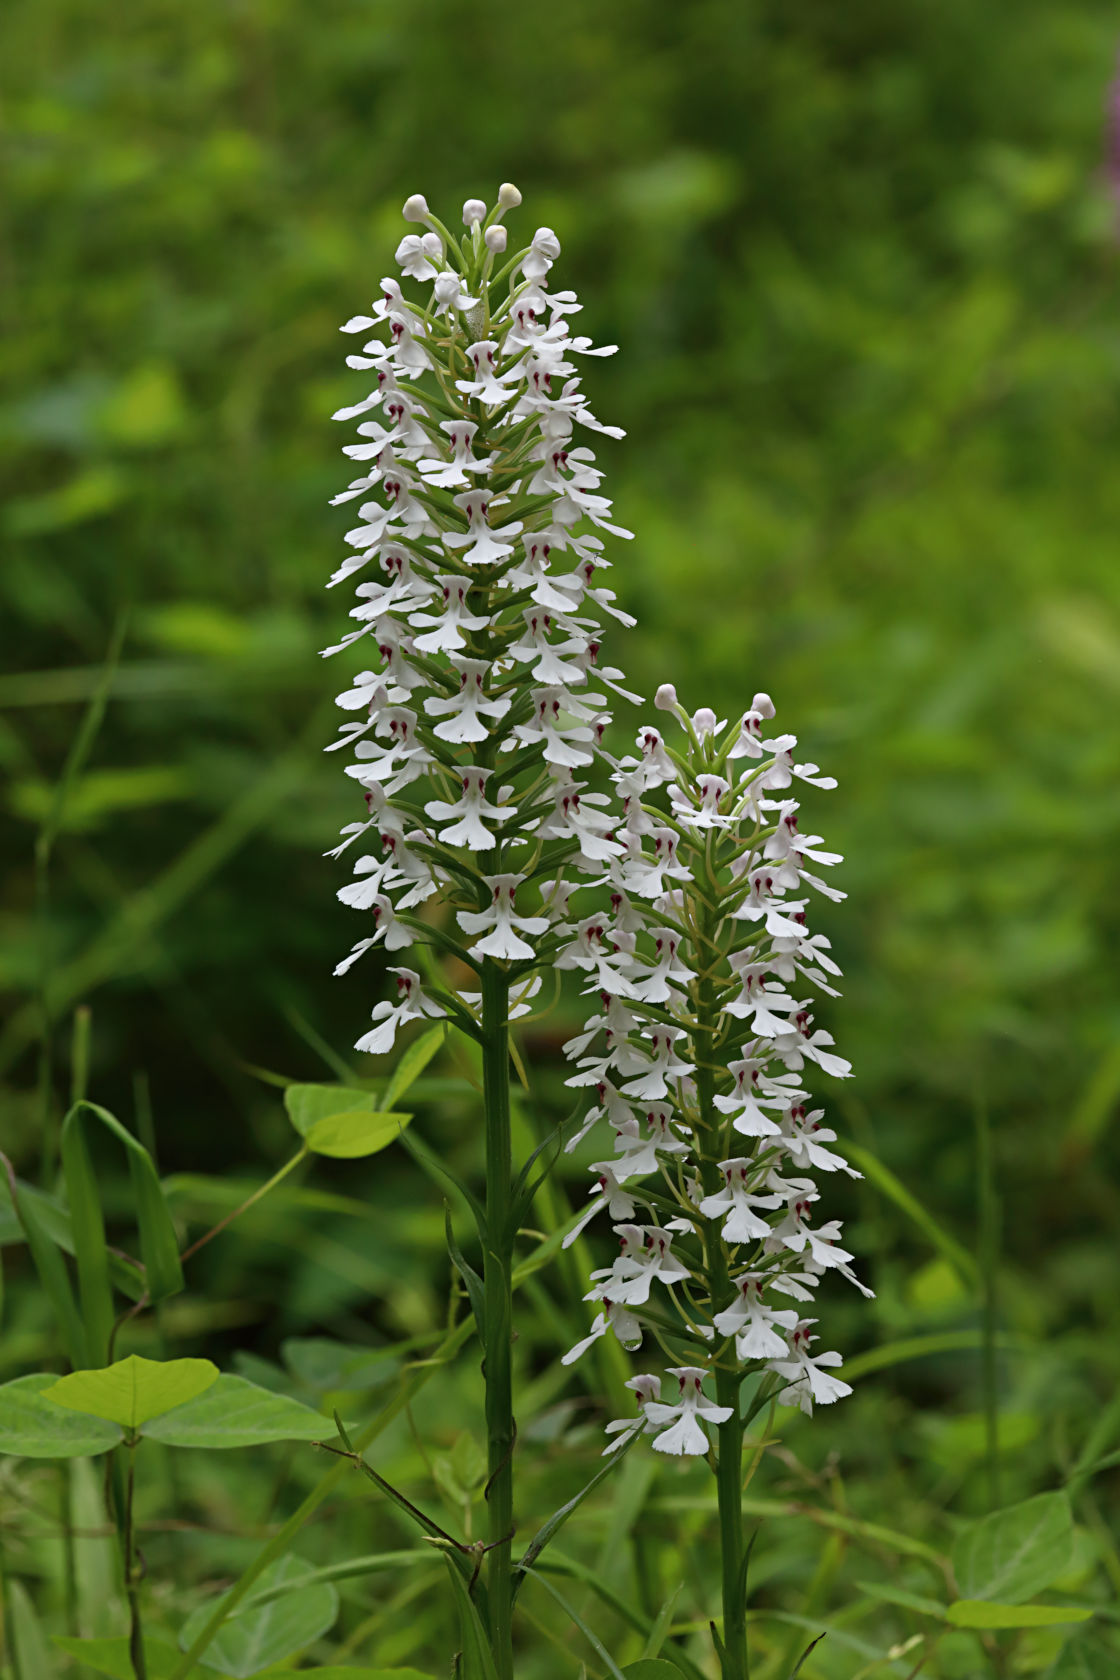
{"x":354,"y":1133}
{"x":1013,"y":1554}
{"x":264,"y":1630}
{"x":31,"y":1427}
{"x":982,"y":1613}
{"x":233,"y":1412}
{"x":110,"y":1656}
{"x":307,"y":1103}
{"x":134,"y":1389}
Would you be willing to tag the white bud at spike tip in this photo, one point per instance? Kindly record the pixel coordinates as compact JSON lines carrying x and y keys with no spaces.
{"x":473,"y":211}
{"x":495,"y":238}
{"x":763,"y":705}
{"x":666,"y":698}
{"x":508,"y":196}
{"x":415,"y":208}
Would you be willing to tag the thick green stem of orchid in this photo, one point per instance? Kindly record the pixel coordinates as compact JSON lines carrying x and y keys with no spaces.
{"x":497,"y":1330}
{"x":735,"y":1662}
{"x":729,"y":1479}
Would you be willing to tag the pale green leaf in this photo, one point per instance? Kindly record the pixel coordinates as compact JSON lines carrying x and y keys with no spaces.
{"x":307,"y":1103}
{"x":1013,"y":1554}
{"x":33,"y":1427}
{"x":982,"y":1613}
{"x":412,"y":1064}
{"x":234,"y":1412}
{"x":279,"y":1618}
{"x":134,"y":1389}
{"x":651,"y":1668}
{"x":355,"y":1133}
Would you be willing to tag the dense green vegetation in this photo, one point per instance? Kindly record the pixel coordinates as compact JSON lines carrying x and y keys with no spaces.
{"x":859,"y":261}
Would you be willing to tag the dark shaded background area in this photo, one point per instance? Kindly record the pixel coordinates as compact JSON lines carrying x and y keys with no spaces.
{"x":860,"y":262}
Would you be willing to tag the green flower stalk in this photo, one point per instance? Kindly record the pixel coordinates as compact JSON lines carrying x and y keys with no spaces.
{"x":479,"y":569}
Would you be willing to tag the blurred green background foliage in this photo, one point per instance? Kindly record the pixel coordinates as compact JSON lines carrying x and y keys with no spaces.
{"x":860,"y":262}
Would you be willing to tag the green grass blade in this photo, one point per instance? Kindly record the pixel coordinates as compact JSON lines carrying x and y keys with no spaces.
{"x":904,"y":1199}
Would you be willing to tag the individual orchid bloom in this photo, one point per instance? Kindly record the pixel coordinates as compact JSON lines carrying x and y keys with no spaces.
{"x":389,"y":931}
{"x":413,"y":1004}
{"x":417,"y":254}
{"x":452,"y":474}
{"x":685,"y":1434}
{"x":576,"y":814}
{"x":481,"y":542}
{"x":608,"y":1194}
{"x":744,"y":1103}
{"x":668,"y":977}
{"x":799,"y":1043}
{"x":807,"y":1382}
{"x":703,"y":812}
{"x":738,"y":1202}
{"x":566,"y":744}
{"x":803,"y":1140}
{"x":758,"y":1002}
{"x":448,"y":625}
{"x":795,"y":1233}
{"x":651,"y":1071}
{"x":614,"y":1317}
{"x":760,"y":1330}
{"x":486,"y":386}
{"x":502,"y":921}
{"x":468,"y":814}
{"x":449,"y":294}
{"x":646,"y":1257}
{"x":464,"y":712}
{"x":647,"y":1388}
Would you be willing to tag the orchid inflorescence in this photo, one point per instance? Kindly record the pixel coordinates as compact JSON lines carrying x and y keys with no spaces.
{"x":699,"y":956}
{"x":481,"y":588}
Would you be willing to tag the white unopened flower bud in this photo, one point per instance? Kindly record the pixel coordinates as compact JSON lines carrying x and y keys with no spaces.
{"x":508,"y":196}
{"x":703,"y":722}
{"x":473,"y":211}
{"x":666,"y":698}
{"x":447,"y":287}
{"x":546,"y":244}
{"x":495,"y":238}
{"x":415,"y":208}
{"x":763,"y":705}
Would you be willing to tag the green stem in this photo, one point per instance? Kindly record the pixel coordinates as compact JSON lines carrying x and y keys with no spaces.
{"x":497,"y":1330}
{"x":131,"y":1580}
{"x":729,"y":1482}
{"x":250,"y":1201}
{"x":734,"y":1660}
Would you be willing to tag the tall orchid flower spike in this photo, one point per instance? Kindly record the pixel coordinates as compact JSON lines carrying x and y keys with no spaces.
{"x":696,"y":945}
{"x":478,"y":562}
